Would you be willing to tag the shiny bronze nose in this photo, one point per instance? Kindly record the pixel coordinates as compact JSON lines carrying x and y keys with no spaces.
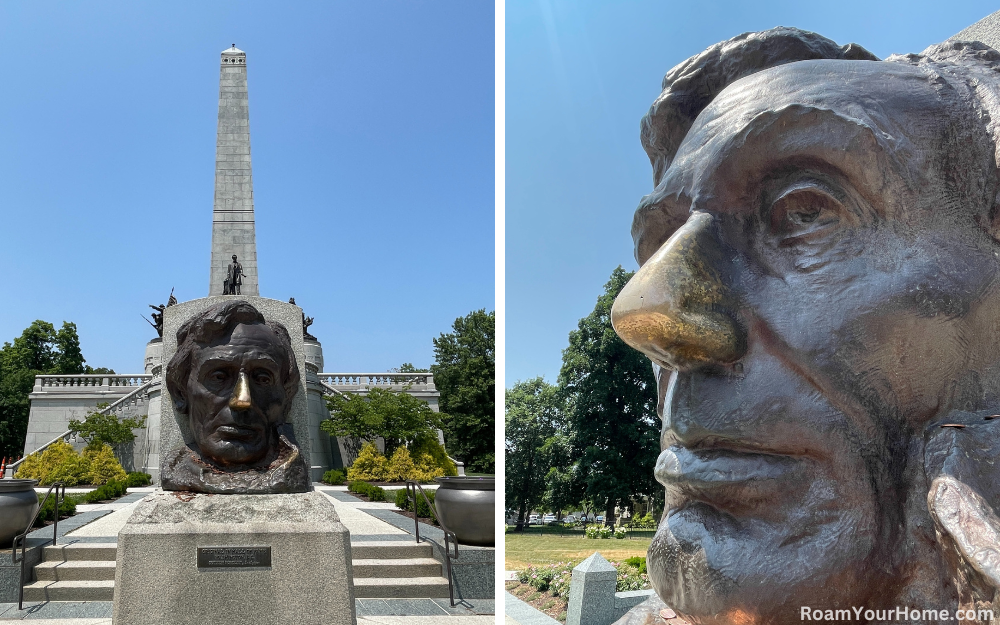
{"x":676,"y":309}
{"x":241,"y":394}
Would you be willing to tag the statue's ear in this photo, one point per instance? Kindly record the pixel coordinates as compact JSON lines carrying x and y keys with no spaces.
{"x":990,"y":223}
{"x":968,"y":522}
{"x":179,"y":397}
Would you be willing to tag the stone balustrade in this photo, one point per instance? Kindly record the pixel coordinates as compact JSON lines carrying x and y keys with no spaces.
{"x":56,"y":383}
{"x":395,"y":381}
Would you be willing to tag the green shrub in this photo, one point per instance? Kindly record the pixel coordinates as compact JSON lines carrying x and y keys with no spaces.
{"x":104,"y":467}
{"x":620,"y":532}
{"x":58,"y":462}
{"x":334,"y":477}
{"x":67,"y":508}
{"x":638,"y":562}
{"x":61,"y":463}
{"x":429,"y":446}
{"x":370,"y":491}
{"x":137,"y":478}
{"x":369,"y":465}
{"x":111,"y":490}
{"x":423,"y":510}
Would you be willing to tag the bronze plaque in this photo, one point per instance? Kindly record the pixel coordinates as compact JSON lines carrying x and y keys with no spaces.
{"x":243,"y":557}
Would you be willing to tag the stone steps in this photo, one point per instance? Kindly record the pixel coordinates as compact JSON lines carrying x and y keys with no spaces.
{"x":396,"y":570}
{"x":400,"y":588}
{"x":74,"y":572}
{"x":382,"y":570}
{"x":75,"y":590}
{"x":389,"y":549}
{"x":80,"y":551}
{"x":396,"y":567}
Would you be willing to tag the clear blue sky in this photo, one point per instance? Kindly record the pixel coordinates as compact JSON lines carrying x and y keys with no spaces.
{"x":372,"y":137}
{"x":579,"y":77}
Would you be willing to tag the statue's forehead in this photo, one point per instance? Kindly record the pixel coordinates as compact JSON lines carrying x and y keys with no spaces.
{"x":854,"y":85}
{"x":256,"y":339}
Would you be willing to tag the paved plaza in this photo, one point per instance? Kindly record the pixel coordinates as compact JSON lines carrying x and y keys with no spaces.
{"x":360,"y":517}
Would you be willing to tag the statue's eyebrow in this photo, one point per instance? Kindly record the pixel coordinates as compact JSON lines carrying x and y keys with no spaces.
{"x":258,"y":357}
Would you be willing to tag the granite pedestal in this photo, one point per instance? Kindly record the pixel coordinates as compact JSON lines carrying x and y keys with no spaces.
{"x":234,"y":559}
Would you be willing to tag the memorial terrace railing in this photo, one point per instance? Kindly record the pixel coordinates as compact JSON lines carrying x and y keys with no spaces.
{"x":94,"y":382}
{"x":136,"y":388}
{"x":395,"y":381}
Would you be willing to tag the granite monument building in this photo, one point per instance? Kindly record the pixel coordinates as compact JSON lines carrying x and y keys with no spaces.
{"x":233,"y":273}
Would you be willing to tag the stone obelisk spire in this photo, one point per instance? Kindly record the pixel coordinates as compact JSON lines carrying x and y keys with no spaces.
{"x":232,"y":215}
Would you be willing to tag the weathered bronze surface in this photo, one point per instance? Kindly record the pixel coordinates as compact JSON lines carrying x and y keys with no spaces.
{"x":234,"y":376}
{"x":819,"y":293}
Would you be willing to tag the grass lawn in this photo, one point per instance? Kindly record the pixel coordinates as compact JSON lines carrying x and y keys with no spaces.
{"x":533,"y":547}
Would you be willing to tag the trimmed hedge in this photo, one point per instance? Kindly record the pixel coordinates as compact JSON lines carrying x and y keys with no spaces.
{"x":368,"y":490}
{"x":334,"y":477}
{"x":423,"y":510}
{"x":111,"y":490}
{"x":137,"y":478}
{"x":67,"y":508}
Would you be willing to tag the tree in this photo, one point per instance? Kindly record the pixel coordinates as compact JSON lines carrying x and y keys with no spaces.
{"x":41,"y":349}
{"x":106,"y":429}
{"x":533,"y":412}
{"x":613,"y":415}
{"x":465,"y":374}
{"x":398,"y":418}
{"x":563,"y":487}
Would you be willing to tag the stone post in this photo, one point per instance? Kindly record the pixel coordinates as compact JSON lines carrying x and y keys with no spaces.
{"x":592,"y":593}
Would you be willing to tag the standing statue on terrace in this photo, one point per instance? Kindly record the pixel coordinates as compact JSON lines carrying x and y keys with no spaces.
{"x":234,"y":278}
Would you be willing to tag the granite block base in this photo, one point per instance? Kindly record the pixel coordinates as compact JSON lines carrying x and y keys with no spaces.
{"x":196,"y":559}
{"x":474,"y":573}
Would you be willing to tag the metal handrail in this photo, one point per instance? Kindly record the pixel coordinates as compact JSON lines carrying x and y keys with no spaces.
{"x":111,"y":408}
{"x":447,"y":532}
{"x":21,"y":538}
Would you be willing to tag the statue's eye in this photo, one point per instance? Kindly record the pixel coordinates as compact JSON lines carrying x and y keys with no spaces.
{"x":262,"y":377}
{"x":218,"y":376}
{"x":804,"y":211}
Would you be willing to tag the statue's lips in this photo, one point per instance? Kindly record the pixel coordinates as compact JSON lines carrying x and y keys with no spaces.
{"x":237,"y":432}
{"x":725,"y":478}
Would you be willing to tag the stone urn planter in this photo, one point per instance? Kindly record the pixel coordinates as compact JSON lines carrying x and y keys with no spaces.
{"x":18,"y":503}
{"x":466,"y":506}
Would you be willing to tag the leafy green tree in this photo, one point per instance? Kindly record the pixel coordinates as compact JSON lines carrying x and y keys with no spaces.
{"x":106,"y":429}
{"x":533,"y":414}
{"x":563,"y":487}
{"x":41,"y":349}
{"x":465,"y":374}
{"x":613,"y":415}
{"x":399,"y":418}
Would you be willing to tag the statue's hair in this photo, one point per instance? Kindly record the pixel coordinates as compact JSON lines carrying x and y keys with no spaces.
{"x":215,"y":323}
{"x":689,"y":87}
{"x":969,"y":72}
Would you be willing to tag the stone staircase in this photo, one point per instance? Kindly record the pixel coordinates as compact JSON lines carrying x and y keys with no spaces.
{"x":382,"y":570}
{"x":75,"y":572}
{"x":396,"y":570}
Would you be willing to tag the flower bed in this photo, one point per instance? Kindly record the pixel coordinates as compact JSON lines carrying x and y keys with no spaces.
{"x":546,"y":588}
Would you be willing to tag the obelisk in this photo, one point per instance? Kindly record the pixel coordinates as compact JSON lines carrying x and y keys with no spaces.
{"x":232,"y":214}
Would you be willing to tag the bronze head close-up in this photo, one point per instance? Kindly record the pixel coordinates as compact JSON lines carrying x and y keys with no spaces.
{"x":233,"y":377}
{"x":818,"y":293}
